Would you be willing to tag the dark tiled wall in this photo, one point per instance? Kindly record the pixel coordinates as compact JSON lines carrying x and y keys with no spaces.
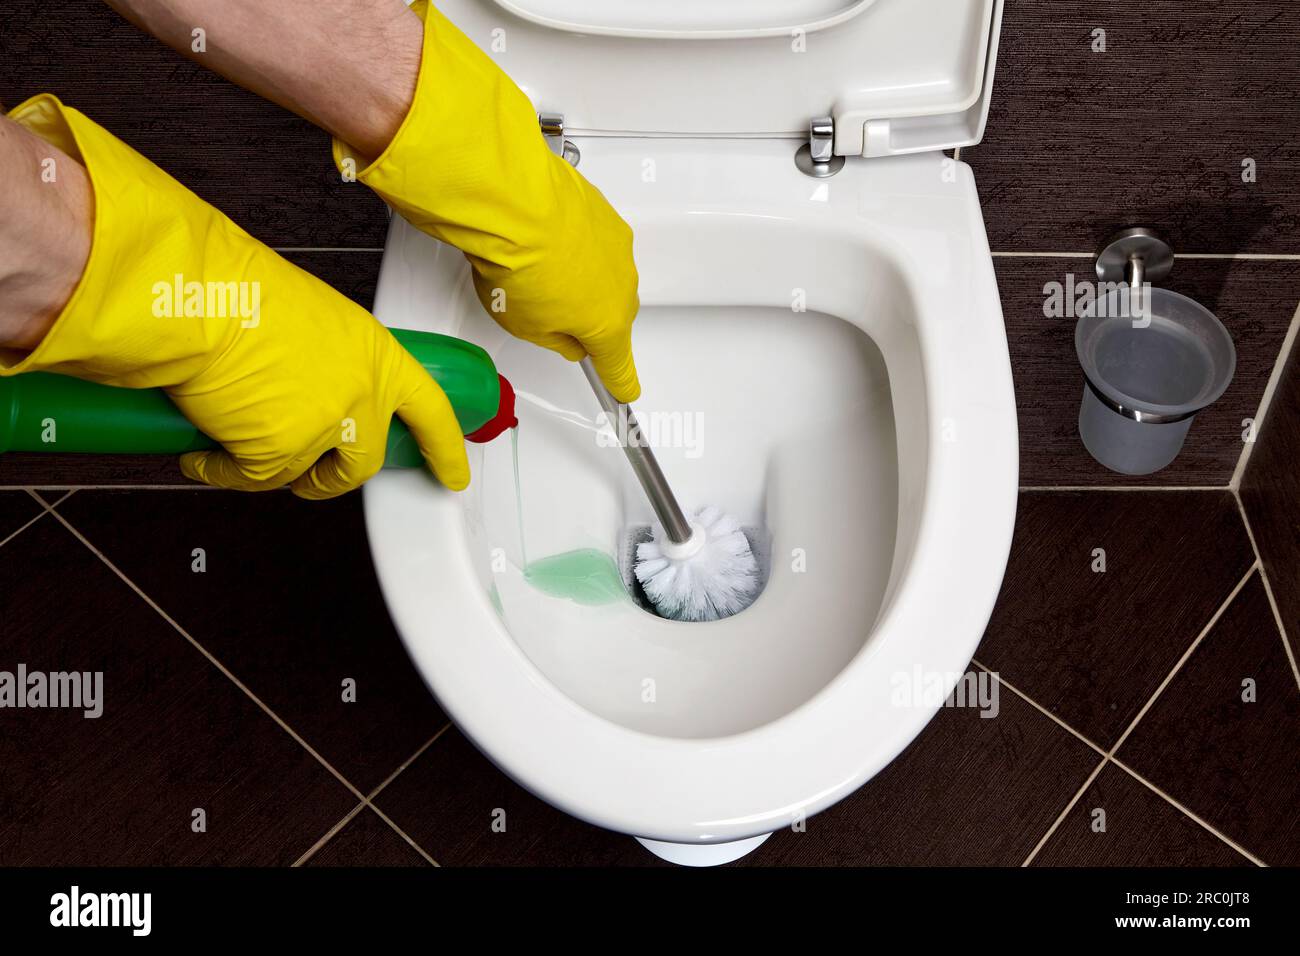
{"x":1079,"y":143}
{"x":1270,"y":491}
{"x":264,"y":167}
{"x":1153,"y":131}
{"x":1255,"y":300}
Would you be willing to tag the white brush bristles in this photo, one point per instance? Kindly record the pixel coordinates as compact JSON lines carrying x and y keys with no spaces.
{"x":718,"y":581}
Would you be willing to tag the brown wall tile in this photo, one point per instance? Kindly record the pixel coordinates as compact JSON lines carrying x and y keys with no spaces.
{"x":264,"y":167}
{"x":1254,"y":299}
{"x":1151,"y":132}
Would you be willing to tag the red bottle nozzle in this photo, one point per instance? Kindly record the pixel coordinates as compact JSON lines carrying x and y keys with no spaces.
{"x":504,"y":418}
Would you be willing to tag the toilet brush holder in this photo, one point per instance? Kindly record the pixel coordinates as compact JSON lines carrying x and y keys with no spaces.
{"x":1151,"y":360}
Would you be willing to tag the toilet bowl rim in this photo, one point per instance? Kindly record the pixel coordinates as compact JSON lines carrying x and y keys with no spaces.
{"x":636,"y":787}
{"x":638,"y":767}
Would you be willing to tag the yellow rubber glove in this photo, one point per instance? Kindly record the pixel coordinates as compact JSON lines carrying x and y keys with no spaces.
{"x":296,"y":381}
{"x":552,"y":260}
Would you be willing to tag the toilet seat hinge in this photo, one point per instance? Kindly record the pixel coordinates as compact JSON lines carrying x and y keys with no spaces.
{"x":552,"y":125}
{"x":817,"y":157}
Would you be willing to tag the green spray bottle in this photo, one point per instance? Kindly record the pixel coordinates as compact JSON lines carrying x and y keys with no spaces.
{"x":104,"y":419}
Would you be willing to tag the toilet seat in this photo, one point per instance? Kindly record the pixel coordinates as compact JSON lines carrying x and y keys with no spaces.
{"x":895,"y":246}
{"x":894,"y":76}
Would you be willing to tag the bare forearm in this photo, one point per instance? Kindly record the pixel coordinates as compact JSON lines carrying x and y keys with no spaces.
{"x":46,"y":219}
{"x":349,"y":66}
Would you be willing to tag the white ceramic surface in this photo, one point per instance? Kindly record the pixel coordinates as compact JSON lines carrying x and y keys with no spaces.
{"x":897,"y":76}
{"x":703,"y":854}
{"x":875,"y":431}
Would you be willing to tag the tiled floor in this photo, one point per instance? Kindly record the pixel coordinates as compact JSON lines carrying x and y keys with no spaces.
{"x":1147,"y":714}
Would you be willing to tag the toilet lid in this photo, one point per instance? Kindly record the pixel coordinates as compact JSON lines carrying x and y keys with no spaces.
{"x":896,"y":76}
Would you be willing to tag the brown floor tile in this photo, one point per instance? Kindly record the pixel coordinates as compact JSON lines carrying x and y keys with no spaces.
{"x":1254,"y":299}
{"x":1093,"y":647}
{"x":1234,"y":764}
{"x":264,"y":167}
{"x":448,"y":800}
{"x":1151,"y":132}
{"x":1270,"y":491}
{"x":1141,"y":828}
{"x":970,"y":791}
{"x":289,"y":602}
{"x":175,"y":734}
{"x":366,"y":840}
{"x":16,"y":509}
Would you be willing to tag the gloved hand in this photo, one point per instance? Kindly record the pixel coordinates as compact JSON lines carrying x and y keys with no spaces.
{"x":296,"y":381}
{"x":552,"y":260}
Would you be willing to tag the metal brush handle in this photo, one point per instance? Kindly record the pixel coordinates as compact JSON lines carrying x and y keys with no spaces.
{"x":643,"y":462}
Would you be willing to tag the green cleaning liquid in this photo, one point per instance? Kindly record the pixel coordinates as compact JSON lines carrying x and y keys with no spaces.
{"x":519,"y":494}
{"x":586,"y":576}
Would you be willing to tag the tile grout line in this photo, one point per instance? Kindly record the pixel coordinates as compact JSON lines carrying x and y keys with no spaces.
{"x":366,"y":801}
{"x":53,"y":504}
{"x":1036,"y":705}
{"x":1086,"y":784}
{"x":1214,"y":619}
{"x":24,"y":526}
{"x":1268,"y":588}
{"x":195,"y":486}
{"x":312,"y":850}
{"x":206,"y":653}
{"x":1187,"y":812}
{"x":1123,"y":488}
{"x":1266,"y":400}
{"x":328,"y":248}
{"x":393,"y":776}
{"x":408,"y":761}
{"x":1066,"y":812}
{"x":192,"y":486}
{"x":403,"y":834}
{"x":1244,"y":256}
{"x":1109,"y":757}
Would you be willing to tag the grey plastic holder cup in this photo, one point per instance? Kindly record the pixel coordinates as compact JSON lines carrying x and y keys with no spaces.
{"x":1147,"y":377}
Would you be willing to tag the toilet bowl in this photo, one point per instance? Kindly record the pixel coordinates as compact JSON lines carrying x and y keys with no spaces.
{"x":824,"y":358}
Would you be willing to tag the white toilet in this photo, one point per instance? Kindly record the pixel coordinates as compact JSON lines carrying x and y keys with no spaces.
{"x":822,"y":356}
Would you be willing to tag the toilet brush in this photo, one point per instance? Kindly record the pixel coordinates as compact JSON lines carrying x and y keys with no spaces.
{"x":693,"y":569}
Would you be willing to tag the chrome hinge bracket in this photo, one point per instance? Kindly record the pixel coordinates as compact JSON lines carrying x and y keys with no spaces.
{"x":552,"y":125}
{"x":817,"y":157}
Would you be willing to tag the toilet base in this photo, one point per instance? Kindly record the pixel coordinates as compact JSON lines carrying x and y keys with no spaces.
{"x":702,"y":854}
